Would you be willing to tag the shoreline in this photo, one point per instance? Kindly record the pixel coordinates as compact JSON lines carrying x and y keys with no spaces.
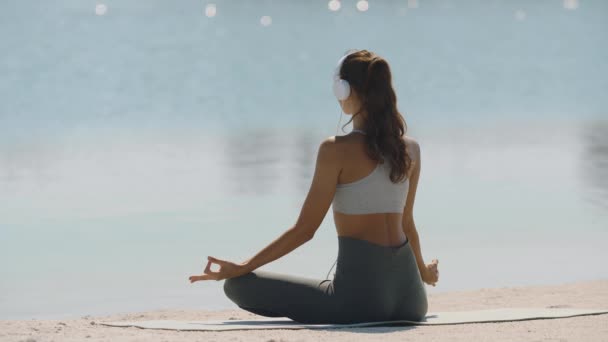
{"x":580,"y":294}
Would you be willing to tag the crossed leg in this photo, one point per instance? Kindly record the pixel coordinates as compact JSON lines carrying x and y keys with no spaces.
{"x":271,"y":294}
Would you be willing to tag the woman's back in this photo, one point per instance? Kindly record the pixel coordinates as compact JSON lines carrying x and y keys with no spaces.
{"x":367,"y":205}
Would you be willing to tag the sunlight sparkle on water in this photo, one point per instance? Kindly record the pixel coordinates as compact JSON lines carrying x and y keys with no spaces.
{"x":570,"y":4}
{"x":266,"y":20}
{"x":210,"y":10}
{"x":101,"y":9}
{"x":334,"y":5}
{"x":362,"y":5}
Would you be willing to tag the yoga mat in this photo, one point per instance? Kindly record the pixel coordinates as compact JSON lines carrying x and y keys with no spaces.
{"x":432,"y":318}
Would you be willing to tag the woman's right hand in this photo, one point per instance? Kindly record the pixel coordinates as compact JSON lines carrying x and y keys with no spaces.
{"x":430,"y":274}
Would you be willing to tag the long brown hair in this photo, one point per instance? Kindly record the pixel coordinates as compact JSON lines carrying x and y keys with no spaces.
{"x":370,"y":76}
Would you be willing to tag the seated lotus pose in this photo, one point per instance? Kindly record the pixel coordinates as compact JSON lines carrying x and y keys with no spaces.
{"x":369,"y":176}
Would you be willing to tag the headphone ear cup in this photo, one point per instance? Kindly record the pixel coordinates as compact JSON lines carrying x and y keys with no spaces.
{"x":341,"y":89}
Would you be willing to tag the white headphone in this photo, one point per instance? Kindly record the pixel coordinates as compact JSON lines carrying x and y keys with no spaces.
{"x":341,"y":87}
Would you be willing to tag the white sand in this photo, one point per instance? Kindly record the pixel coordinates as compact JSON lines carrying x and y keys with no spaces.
{"x":584,"y":294}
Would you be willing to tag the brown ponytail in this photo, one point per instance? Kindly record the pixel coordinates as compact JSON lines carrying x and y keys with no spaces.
{"x":370,"y":75}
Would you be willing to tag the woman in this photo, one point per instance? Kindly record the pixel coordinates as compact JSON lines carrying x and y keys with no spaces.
{"x":370,"y":179}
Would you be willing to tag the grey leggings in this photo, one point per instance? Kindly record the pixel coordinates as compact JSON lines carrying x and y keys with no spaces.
{"x":371,"y":283}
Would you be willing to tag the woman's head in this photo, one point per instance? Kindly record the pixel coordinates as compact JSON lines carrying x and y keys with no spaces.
{"x":373,"y":98}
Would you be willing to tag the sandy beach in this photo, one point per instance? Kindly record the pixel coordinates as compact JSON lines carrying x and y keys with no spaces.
{"x":583,"y":294}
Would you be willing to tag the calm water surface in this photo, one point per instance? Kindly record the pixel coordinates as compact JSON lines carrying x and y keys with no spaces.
{"x":137,"y":140}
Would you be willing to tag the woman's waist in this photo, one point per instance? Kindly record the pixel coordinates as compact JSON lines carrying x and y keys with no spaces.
{"x":377,"y":236}
{"x":360,"y":253}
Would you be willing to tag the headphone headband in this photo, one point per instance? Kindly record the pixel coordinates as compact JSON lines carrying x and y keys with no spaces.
{"x":341,"y":87}
{"x":339,"y":66}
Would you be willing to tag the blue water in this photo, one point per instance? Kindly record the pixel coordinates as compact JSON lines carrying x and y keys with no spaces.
{"x":137,"y":141}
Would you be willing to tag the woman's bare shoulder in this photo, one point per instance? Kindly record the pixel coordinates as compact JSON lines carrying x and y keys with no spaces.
{"x":413,"y":151}
{"x":412,"y":145}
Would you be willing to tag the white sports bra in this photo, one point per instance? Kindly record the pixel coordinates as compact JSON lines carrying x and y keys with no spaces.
{"x":374,"y":193}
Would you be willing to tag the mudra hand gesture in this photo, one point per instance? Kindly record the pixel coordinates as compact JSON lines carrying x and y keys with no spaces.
{"x":227,"y":270}
{"x":430,"y":274}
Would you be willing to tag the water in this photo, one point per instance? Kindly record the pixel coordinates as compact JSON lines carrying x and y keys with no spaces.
{"x":136,"y":141}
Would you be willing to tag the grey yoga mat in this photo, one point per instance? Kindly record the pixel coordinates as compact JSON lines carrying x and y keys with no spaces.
{"x":432,"y":318}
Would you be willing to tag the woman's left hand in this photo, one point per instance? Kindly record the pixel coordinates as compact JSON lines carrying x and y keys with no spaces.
{"x":227,"y":270}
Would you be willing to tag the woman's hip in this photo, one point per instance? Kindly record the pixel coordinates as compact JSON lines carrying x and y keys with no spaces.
{"x":368,"y":261}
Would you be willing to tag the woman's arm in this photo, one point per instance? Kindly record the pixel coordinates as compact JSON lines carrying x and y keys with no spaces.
{"x":313,"y":211}
{"x":414,"y":241}
{"x":287,"y":242}
{"x":409,"y":227}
